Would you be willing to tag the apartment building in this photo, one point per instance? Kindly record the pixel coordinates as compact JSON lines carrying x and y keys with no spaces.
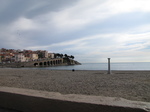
{"x":51,"y":55}
{"x":42,"y":54}
{"x":6,"y":57}
{"x":33,"y":56}
{"x":0,"y":59}
{"x":19,"y":57}
{"x":12,"y":55}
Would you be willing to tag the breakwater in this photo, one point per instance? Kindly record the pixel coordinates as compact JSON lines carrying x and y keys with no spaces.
{"x":41,"y":63}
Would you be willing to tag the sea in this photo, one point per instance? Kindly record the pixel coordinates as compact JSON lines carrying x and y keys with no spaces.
{"x":103,"y":66}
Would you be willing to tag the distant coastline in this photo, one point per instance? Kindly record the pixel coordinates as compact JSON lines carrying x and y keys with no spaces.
{"x":39,"y":58}
{"x":41,"y":63}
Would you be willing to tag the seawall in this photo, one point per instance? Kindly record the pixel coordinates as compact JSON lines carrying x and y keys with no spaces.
{"x":27,"y":100}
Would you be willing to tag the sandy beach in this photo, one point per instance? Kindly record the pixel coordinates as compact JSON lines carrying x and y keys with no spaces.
{"x":132,"y":85}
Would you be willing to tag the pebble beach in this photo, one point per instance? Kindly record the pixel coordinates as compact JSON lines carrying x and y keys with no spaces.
{"x":131,"y":85}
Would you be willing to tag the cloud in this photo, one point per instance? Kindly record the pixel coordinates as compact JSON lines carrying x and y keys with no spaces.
{"x":11,"y":10}
{"x":24,"y":24}
{"x":103,"y":43}
{"x":129,"y":6}
{"x":79,"y":15}
{"x":141,"y":29}
{"x":85,"y":28}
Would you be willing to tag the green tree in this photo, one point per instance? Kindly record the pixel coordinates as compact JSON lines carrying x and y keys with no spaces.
{"x":57,"y":55}
{"x":61,"y":55}
{"x":72,"y":57}
{"x":66,"y":56}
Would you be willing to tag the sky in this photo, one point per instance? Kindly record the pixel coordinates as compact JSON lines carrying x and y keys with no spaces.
{"x":90,"y":30}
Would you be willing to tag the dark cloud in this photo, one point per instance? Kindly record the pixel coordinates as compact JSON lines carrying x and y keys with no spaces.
{"x":90,"y":28}
{"x":13,"y":10}
{"x":51,"y":5}
{"x":29,"y":8}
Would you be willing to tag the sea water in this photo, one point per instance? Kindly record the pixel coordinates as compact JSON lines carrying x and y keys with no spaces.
{"x":104,"y":66}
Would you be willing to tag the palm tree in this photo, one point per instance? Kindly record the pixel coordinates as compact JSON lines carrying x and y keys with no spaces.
{"x":66,"y":56}
{"x":61,"y":55}
{"x":56,"y":55}
{"x":72,"y":57}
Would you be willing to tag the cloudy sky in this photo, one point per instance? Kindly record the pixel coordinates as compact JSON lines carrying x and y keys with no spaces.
{"x":91,"y":30}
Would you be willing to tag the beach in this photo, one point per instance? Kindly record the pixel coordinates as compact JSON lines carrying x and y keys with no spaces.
{"x":131,"y":85}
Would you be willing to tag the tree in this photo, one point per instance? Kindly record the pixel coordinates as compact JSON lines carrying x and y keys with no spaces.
{"x":66,"y":56}
{"x":72,"y":57}
{"x":57,"y":55}
{"x":61,"y":55}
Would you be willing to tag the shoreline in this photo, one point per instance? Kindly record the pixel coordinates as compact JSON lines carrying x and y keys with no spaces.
{"x":45,"y":68}
{"x":61,"y":69}
{"x":131,"y":85}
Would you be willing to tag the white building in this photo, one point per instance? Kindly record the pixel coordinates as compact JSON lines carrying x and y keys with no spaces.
{"x":51,"y":55}
{"x":33,"y":56}
{"x":19,"y":57}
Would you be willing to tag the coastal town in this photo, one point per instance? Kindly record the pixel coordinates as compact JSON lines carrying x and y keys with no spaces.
{"x":8,"y":56}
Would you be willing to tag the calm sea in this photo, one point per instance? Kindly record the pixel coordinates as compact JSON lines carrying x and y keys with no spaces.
{"x":104,"y":66}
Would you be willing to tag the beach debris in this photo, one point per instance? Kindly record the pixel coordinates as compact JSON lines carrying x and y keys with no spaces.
{"x":73,"y":70}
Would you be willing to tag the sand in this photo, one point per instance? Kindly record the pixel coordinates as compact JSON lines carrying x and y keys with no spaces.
{"x":131,"y":85}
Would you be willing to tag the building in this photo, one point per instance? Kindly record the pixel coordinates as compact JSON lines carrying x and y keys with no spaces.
{"x":19,"y":57}
{"x":33,"y":56}
{"x":12,"y":55}
{"x":6,"y":57}
{"x":0,"y":59}
{"x":51,"y":55}
{"x":46,"y":54}
{"x":42,"y":54}
{"x":27,"y":51}
{"x":13,"y":59}
{"x":30,"y":56}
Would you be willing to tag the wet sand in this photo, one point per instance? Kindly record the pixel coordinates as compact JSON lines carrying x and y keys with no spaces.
{"x":132,"y":85}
